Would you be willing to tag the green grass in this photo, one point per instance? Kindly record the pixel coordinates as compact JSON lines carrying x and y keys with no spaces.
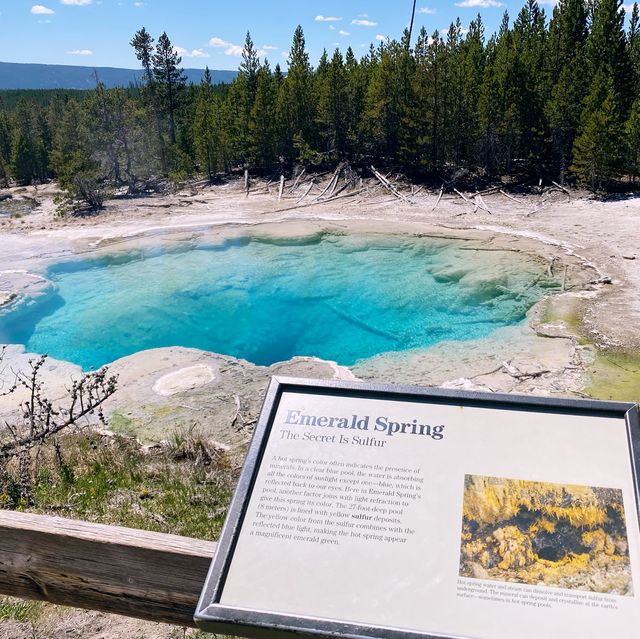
{"x":183,"y":488}
{"x":22,"y":611}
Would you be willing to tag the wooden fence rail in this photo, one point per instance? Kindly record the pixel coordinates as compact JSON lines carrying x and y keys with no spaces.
{"x":108,"y":568}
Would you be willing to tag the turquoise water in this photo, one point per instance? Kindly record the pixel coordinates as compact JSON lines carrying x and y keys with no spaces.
{"x":334,"y":297}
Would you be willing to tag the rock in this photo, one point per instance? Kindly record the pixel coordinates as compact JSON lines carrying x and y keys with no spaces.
{"x":184,"y":379}
{"x":6,"y":297}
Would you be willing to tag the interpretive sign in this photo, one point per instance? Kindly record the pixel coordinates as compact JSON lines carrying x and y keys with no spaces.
{"x":382,"y":511}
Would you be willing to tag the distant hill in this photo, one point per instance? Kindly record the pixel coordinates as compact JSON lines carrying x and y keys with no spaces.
{"x":15,"y":75}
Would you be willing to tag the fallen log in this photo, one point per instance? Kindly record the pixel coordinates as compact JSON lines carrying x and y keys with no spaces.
{"x":462,"y":196}
{"x":493,"y":189}
{"x":387,"y":185}
{"x":326,"y":188}
{"x":281,"y":187}
{"x":298,"y":178}
{"x":561,"y":188}
{"x":481,"y":203}
{"x":439,"y":198}
{"x":307,"y":191}
{"x":510,"y":197}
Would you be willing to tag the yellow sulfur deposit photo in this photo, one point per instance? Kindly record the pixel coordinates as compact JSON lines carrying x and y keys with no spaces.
{"x":548,"y":534}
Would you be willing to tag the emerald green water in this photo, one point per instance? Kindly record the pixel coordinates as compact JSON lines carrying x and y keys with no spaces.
{"x":340,"y":298}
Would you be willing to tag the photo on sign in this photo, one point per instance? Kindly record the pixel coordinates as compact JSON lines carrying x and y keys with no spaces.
{"x":539,"y":533}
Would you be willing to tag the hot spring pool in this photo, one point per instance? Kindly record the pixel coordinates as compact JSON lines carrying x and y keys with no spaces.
{"x":341,"y":298}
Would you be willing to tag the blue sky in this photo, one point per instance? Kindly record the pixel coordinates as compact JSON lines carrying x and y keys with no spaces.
{"x":97,"y":32}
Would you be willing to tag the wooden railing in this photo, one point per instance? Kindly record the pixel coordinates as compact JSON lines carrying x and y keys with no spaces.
{"x":120,"y":570}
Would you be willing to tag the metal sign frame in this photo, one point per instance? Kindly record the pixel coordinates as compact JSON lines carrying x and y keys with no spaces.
{"x":214,"y":617}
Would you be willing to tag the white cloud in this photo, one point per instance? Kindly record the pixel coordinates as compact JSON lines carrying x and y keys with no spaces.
{"x":234,"y":49}
{"x":426,"y":10}
{"x":139,"y":4}
{"x":332,"y":27}
{"x":363,"y":15}
{"x":47,"y":21}
{"x":381,"y":38}
{"x":553,"y":3}
{"x":77,"y":3}
{"x":38,"y":9}
{"x":342,"y":32}
{"x":80,"y":52}
{"x":327,"y":19}
{"x":268,"y":47}
{"x":218,"y":42}
{"x":483,"y":4}
{"x":364,"y":23}
{"x":195,"y":53}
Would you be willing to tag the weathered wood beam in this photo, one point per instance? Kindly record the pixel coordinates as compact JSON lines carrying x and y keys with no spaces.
{"x":137,"y":573}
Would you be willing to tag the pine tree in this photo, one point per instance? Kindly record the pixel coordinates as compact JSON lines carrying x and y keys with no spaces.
{"x":598,"y":149}
{"x":472,"y":62}
{"x":5,"y":146}
{"x":250,"y":66}
{"x":333,"y":106}
{"x":297,"y":105}
{"x":142,"y":42}
{"x":76,"y":171}
{"x":564,"y":57}
{"x":419,"y":125}
{"x":262,"y":122}
{"x":357,"y":81}
{"x":529,"y":41}
{"x":606,"y":50}
{"x":388,"y":102}
{"x":453,"y":97}
{"x":169,"y":81}
{"x":633,"y":47}
{"x":27,"y":148}
{"x":632,"y":138}
{"x":498,"y":104}
{"x":244,"y":89}
{"x":204,"y":125}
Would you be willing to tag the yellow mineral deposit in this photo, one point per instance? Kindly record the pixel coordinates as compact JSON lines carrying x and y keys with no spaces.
{"x":545,"y":534}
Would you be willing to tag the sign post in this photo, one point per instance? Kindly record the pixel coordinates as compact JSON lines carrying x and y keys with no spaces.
{"x":385,"y":511}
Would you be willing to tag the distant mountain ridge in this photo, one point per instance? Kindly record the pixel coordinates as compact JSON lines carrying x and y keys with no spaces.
{"x":15,"y":75}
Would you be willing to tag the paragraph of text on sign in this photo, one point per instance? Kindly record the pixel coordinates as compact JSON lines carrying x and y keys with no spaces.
{"x":325,"y":502}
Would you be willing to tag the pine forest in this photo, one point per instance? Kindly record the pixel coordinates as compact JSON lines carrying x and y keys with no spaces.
{"x":548,"y":97}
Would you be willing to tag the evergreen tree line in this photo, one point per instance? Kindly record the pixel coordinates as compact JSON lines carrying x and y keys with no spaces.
{"x":555,"y":98}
